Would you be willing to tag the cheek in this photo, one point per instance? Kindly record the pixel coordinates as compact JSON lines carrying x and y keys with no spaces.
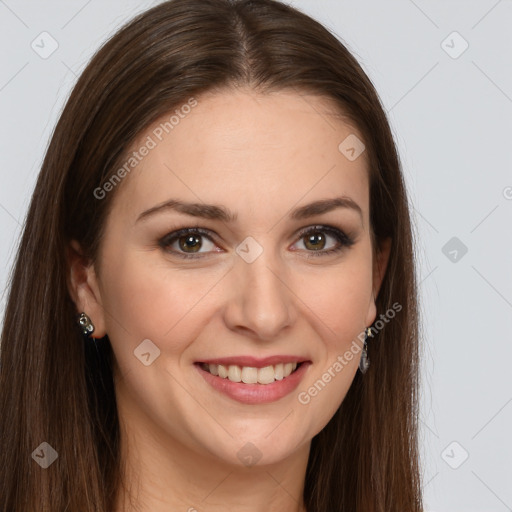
{"x":147,"y":300}
{"x":341,"y":296}
{"x":338,"y":313}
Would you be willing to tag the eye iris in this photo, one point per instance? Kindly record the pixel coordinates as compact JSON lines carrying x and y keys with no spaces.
{"x":315,"y":238}
{"x":190,"y":242}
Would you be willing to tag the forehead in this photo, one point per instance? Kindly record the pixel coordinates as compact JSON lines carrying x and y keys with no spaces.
{"x":248,"y":150}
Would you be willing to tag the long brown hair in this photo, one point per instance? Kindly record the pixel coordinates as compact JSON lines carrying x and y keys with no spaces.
{"x":56,"y":388}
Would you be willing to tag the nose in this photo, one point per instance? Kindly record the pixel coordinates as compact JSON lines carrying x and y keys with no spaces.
{"x":260,"y":301}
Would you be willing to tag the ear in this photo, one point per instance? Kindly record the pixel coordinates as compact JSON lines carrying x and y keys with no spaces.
{"x":83,"y":288}
{"x":380,"y":264}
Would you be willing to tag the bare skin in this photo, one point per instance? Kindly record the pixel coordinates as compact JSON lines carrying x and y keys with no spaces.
{"x":261,"y":157}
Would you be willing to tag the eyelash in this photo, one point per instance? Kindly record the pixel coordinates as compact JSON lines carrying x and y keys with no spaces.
{"x":342,"y":238}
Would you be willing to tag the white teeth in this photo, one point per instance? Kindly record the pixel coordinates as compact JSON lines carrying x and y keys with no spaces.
{"x":266,"y":375}
{"x":234,"y":373}
{"x":251,"y":375}
{"x":223,"y":372}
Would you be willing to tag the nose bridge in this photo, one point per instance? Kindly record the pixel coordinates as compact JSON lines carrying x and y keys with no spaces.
{"x":261,"y":301}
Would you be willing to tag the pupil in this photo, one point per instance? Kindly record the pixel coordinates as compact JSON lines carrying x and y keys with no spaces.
{"x":191,"y":242}
{"x":314,"y":239}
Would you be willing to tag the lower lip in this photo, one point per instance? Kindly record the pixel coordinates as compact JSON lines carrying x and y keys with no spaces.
{"x":255,"y":393}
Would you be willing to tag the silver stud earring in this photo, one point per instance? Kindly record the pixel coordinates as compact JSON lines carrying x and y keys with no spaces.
{"x":86,"y":325}
{"x":364,"y":362}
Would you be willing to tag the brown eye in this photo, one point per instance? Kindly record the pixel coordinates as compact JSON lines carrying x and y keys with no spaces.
{"x":192,"y":242}
{"x":315,"y":241}
{"x":188,"y":242}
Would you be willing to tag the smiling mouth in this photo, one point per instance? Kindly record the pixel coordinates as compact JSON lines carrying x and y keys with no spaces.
{"x":250,"y":374}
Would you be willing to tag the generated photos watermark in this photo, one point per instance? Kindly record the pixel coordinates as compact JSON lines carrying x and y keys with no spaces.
{"x":304,"y":397}
{"x":150,"y":143}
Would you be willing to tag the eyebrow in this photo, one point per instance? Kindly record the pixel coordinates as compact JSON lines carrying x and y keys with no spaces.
{"x":215,"y":212}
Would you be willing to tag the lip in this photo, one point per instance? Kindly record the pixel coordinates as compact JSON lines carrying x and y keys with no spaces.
{"x":255,"y":393}
{"x":254,"y":362}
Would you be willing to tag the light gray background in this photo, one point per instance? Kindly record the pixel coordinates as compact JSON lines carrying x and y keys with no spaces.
{"x":452,"y":119}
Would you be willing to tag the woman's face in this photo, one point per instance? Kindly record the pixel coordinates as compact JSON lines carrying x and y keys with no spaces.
{"x":262,"y":275}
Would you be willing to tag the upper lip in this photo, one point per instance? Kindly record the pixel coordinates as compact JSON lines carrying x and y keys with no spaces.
{"x":254,"y":362}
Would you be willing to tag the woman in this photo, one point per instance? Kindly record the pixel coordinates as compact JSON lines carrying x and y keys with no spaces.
{"x":214,"y":305}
